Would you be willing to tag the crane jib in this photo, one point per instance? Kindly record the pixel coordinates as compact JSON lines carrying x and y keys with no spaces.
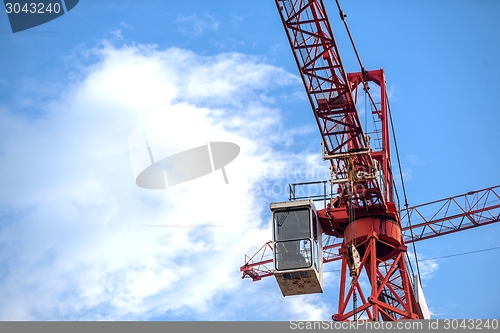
{"x":331,"y":93}
{"x":361,"y":226}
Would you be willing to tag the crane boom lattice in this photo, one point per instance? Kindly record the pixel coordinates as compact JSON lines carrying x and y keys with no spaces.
{"x":360,"y":225}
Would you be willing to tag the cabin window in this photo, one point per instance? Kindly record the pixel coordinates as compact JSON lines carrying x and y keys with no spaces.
{"x":293,"y":254}
{"x":292,"y":224}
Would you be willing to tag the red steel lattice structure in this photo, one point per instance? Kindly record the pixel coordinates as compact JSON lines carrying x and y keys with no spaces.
{"x":330,"y":92}
{"x":364,"y":213}
{"x":437,"y":218}
{"x":457,"y":213}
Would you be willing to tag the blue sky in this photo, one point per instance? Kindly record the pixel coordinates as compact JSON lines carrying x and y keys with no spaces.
{"x":75,"y":235}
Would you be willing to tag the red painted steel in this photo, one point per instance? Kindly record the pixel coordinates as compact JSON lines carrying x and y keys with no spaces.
{"x":330,"y":92}
{"x":457,"y":213}
{"x":364,"y":213}
{"x":437,"y":218}
{"x":361,"y":171}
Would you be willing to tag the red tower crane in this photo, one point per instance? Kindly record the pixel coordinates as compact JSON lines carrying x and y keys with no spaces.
{"x":362,"y":225}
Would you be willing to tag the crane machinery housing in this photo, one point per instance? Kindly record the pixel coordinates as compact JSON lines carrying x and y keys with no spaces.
{"x":363,"y":214}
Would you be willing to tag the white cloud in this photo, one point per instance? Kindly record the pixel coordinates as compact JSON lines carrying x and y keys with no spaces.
{"x":426,"y":266}
{"x":127,"y":26}
{"x":414,"y":159}
{"x":309,"y":308}
{"x":75,"y":238}
{"x":117,"y":33}
{"x":195,"y":25}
